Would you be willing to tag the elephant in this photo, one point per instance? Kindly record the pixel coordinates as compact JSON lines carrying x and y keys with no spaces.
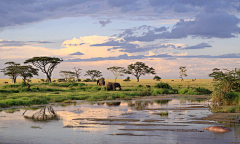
{"x":101,"y":82}
{"x":113,"y":86}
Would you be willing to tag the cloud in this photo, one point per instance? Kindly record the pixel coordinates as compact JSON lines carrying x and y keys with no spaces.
{"x":9,"y":43}
{"x":125,"y":5}
{"x":77,"y":53}
{"x":167,"y":56}
{"x":198,"y":46}
{"x":182,"y":6}
{"x":206,"y":25}
{"x":104,"y":23}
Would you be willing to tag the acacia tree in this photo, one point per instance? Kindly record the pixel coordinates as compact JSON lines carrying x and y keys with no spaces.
{"x":45,"y":64}
{"x":13,"y":70}
{"x":93,"y":74}
{"x":77,"y":72}
{"x":182,"y":72}
{"x":27,"y":72}
{"x":139,"y":68}
{"x":117,"y":71}
{"x":67,"y":75}
{"x":227,"y":81}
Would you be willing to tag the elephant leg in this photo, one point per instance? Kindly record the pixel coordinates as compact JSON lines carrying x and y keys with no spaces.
{"x":114,"y":88}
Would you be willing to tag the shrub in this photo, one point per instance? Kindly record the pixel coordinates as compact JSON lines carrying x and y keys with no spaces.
{"x":159,"y":91}
{"x":87,"y":80}
{"x":183,"y":91}
{"x":163,"y":85}
{"x":127,"y":79}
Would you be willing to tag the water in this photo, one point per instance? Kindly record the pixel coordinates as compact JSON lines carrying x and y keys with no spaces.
{"x":103,"y":123}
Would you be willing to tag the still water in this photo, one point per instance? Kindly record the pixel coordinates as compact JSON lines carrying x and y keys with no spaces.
{"x":120,"y":122}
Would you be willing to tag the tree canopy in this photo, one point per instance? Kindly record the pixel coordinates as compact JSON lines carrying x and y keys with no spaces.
{"x":27,"y":72}
{"x":67,"y":75}
{"x":182,"y":72}
{"x":13,"y":70}
{"x":45,"y":64}
{"x":117,"y":71}
{"x":93,"y":73}
{"x":139,"y":68}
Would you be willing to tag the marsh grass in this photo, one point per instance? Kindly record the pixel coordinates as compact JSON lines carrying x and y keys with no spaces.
{"x":226,"y":109}
{"x":43,"y":93}
{"x":163,"y":113}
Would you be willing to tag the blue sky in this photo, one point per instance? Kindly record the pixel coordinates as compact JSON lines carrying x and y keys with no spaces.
{"x":97,"y":34}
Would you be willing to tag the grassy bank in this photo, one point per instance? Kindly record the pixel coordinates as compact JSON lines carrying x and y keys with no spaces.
{"x":43,"y":93}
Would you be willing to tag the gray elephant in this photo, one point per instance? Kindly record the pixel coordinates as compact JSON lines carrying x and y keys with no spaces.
{"x":101,"y":82}
{"x":113,"y":86}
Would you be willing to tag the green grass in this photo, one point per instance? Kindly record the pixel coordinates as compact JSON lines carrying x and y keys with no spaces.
{"x":43,"y":93}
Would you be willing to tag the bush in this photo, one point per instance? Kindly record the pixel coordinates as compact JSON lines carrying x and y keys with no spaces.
{"x":194,"y":91}
{"x":163,"y":85}
{"x":159,"y":91}
{"x":61,"y":80}
{"x":87,"y":80}
{"x":127,"y":79}
{"x":183,"y":91}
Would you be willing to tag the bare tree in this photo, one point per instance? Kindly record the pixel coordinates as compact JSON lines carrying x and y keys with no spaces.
{"x":183,"y":72}
{"x":117,"y":71}
{"x":77,"y":71}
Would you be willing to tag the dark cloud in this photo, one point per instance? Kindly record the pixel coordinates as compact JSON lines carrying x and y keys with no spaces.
{"x":73,"y":44}
{"x":165,"y":56}
{"x":77,"y":53}
{"x":125,"y":5}
{"x":199,"y":46}
{"x":182,"y":6}
{"x":18,"y":12}
{"x":104,"y":23}
{"x":124,"y":46}
{"x":206,"y":25}
{"x":5,"y":43}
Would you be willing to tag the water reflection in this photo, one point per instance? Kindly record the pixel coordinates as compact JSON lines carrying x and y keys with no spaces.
{"x":118,"y":122}
{"x":162,"y":102}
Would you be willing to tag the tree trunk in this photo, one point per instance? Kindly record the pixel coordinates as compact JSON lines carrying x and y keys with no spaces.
{"x":137,"y":79}
{"x":49,"y":78}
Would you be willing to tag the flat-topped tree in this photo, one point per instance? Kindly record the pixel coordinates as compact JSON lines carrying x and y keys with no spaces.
{"x":139,"y":68}
{"x":45,"y":64}
{"x":93,"y":73}
{"x":67,"y":75}
{"x":13,"y":70}
{"x":27,"y":72}
{"x":117,"y":71}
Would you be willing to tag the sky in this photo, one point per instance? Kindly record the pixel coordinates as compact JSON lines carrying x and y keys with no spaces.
{"x":97,"y":34}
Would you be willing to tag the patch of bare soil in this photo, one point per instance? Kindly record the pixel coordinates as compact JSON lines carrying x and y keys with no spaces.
{"x":130,"y":134}
{"x":175,"y":130}
{"x":106,"y":119}
{"x":224,"y":117}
